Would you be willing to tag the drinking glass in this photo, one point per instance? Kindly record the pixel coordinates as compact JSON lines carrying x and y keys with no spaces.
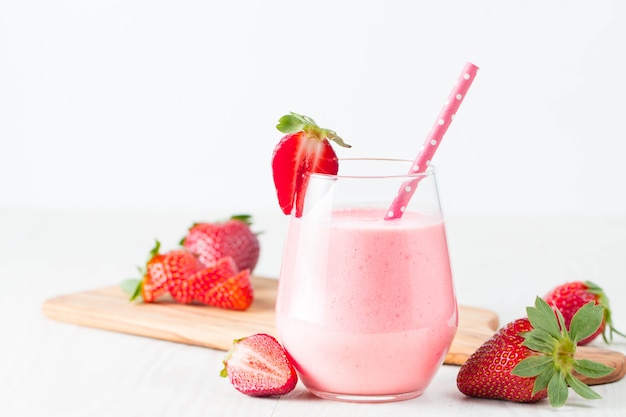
{"x":366,"y":307}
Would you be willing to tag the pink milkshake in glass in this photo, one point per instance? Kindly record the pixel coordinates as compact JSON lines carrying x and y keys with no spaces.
{"x":366,"y":307}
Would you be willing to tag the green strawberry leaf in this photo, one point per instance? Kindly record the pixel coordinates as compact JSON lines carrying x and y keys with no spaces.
{"x":581,"y":389}
{"x":542,"y":317}
{"x":132,"y":287}
{"x":540,"y":341}
{"x":591,"y":368}
{"x":557,"y":390}
{"x":555,"y":346}
{"x":245,"y":218}
{"x":331,"y":135}
{"x":542,"y":380}
{"x":155,"y":250}
{"x":561,"y":322}
{"x":586,"y":321}
{"x":292,"y":123}
{"x":608,"y":339}
{"x":532,"y":366}
{"x":603,"y":299}
{"x":594,"y":289}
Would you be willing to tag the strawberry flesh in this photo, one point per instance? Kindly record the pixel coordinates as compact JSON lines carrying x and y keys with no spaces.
{"x":258,"y":366}
{"x":155,"y":280}
{"x":179,"y":266}
{"x":223,"y":286}
{"x":295,"y":156}
{"x":188,"y":280}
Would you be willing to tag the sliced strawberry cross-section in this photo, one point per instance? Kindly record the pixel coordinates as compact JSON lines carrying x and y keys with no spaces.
{"x":303,"y":150}
{"x":258,"y":366}
{"x":222,"y":285}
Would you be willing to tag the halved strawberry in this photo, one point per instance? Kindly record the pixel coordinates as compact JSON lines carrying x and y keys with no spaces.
{"x":258,"y":366}
{"x":162,"y":271}
{"x":222,"y":286}
{"x":154,"y":282}
{"x":306,"y":148}
{"x":185,"y":290}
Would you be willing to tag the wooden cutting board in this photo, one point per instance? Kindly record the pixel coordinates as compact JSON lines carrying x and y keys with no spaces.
{"x":109,"y":309}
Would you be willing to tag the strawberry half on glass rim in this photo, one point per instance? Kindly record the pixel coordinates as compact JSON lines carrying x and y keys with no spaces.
{"x":305,"y":149}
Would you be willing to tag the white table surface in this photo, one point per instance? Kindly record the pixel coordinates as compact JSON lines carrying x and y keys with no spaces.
{"x":48,"y":368}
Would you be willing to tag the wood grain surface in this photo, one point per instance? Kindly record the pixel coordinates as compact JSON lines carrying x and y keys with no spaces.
{"x":109,"y":309}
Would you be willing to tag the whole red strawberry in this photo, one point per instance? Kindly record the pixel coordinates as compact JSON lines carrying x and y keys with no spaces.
{"x":532,"y":358}
{"x":488,"y":372}
{"x":304,"y":149}
{"x":258,"y":366}
{"x":213,"y":241}
{"x":571,"y":296}
{"x":162,"y":273}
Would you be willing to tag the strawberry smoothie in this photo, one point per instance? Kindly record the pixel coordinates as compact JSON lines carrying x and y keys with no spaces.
{"x":366,"y":307}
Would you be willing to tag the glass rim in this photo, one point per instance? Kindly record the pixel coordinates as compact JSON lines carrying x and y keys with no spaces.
{"x":430,"y":171}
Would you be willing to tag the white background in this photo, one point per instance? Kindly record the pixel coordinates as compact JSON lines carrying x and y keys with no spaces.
{"x":170,"y":106}
{"x":126,"y":120}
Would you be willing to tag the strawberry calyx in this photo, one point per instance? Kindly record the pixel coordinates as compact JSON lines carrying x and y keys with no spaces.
{"x":134,"y":286}
{"x":155,"y":250}
{"x":294,"y":122}
{"x":224,"y":371}
{"x":244,"y":218}
{"x":603,"y":300}
{"x":259,"y":366}
{"x":553,"y":362}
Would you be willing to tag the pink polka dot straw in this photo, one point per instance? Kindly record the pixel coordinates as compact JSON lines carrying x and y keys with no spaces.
{"x":433,"y":140}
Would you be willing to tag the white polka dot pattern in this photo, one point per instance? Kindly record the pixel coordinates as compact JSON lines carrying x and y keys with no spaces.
{"x":433,"y":140}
